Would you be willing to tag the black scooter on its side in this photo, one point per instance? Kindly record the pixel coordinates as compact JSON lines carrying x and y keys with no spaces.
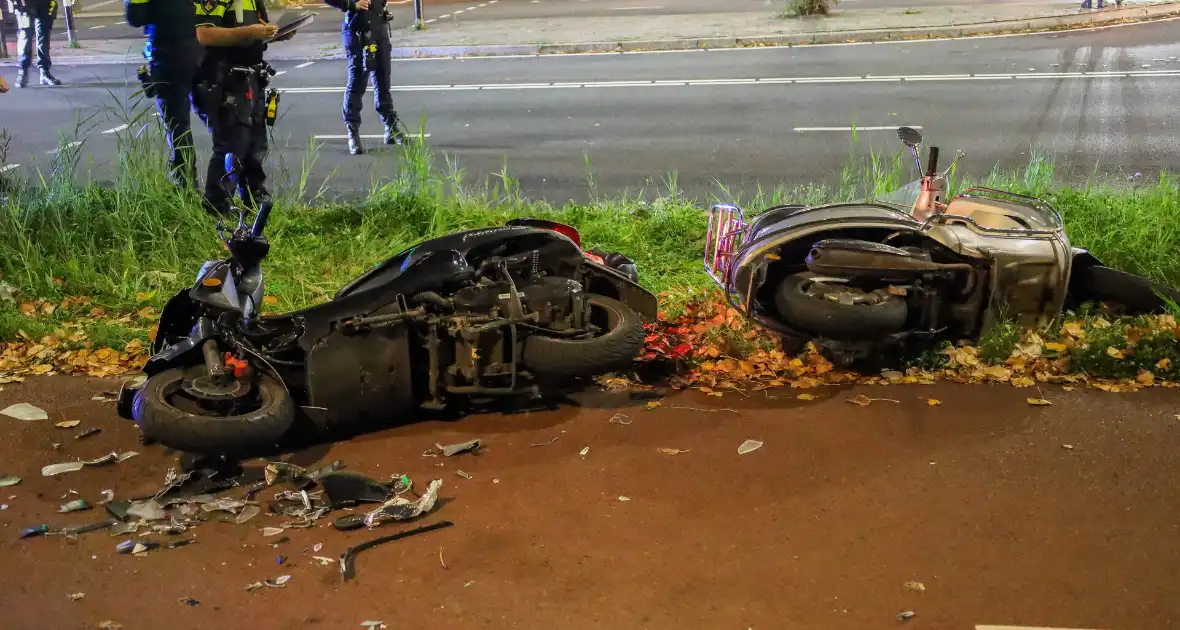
{"x":495,"y":312}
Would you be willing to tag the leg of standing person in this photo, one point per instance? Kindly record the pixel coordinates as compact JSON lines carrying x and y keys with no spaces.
{"x":26,"y":33}
{"x":252,"y":160}
{"x":230,"y":137}
{"x":382,"y":94}
{"x":354,"y":92}
{"x":173,"y":100}
{"x":45,"y":18}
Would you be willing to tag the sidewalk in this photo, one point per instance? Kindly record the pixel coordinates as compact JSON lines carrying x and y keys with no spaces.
{"x":459,"y":37}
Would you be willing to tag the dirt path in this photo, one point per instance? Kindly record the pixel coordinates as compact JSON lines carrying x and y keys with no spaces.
{"x":820,"y":528}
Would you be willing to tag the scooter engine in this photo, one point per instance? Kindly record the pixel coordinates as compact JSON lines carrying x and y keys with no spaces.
{"x":554,"y":300}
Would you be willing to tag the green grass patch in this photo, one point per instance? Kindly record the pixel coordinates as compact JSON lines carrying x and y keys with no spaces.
{"x":133,"y":241}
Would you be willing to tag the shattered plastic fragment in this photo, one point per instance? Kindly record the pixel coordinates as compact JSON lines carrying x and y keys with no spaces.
{"x":462,"y":474}
{"x":248,"y":512}
{"x":190,"y":601}
{"x":76,"y":596}
{"x":316,"y":547}
{"x":9,"y":480}
{"x":120,"y":529}
{"x":36,"y":530}
{"x":278,"y":582}
{"x":399,"y":509}
{"x":451,"y":450}
{"x":224,"y":504}
{"x":272,"y":531}
{"x":749,"y":446}
{"x":323,"y":561}
{"x":109,"y":625}
{"x":25,"y":411}
{"x":67,"y":424}
{"x":149,"y":510}
{"x":65,"y":467}
{"x":87,"y":433}
{"x":107,"y":497}
{"x":905,"y":616}
{"x":372,"y":624}
{"x":915,"y":586}
{"x":254,"y":586}
{"x":622,"y":498}
{"x":77,"y":505}
{"x":585,"y":451}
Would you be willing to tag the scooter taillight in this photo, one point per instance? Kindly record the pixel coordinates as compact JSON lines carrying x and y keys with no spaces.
{"x":561,"y":228}
{"x":726,"y":226}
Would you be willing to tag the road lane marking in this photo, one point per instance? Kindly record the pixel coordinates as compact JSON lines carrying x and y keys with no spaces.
{"x":115,"y":129}
{"x":68,"y":146}
{"x":95,"y":28}
{"x":369,"y":135}
{"x":879,"y":128}
{"x":634,"y":8}
{"x":454,"y":87}
{"x":305,"y":64}
{"x":280,"y":73}
{"x":8,"y":167}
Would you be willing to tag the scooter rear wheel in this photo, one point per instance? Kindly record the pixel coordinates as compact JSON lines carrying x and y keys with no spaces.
{"x":168,"y":412}
{"x":614,"y":349}
{"x":811,"y":312}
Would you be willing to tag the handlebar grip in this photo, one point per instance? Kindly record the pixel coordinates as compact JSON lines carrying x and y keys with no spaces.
{"x":932,"y":166}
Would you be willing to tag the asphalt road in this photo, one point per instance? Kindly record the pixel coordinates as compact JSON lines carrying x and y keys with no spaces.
{"x":745,"y":118}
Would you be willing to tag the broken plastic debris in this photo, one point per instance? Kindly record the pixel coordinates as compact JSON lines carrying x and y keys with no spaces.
{"x":77,"y":505}
{"x":279,"y":471}
{"x":149,"y":510}
{"x":120,"y":529}
{"x":280,"y":559}
{"x":349,"y":556}
{"x":620,"y":418}
{"x":372,"y":624}
{"x":345,"y":489}
{"x":349,"y":523}
{"x":9,"y":480}
{"x":87,"y":433}
{"x":109,"y":625}
{"x":190,"y":601}
{"x":1068,"y":447}
{"x":224,"y":504}
{"x":248,"y":512}
{"x":906,"y":616}
{"x":585,"y":451}
{"x":136,"y":547}
{"x":749,"y":446}
{"x":672,"y":451}
{"x":36,"y":530}
{"x":254,"y":586}
{"x":278,"y":582}
{"x":76,"y":596}
{"x":25,"y":411}
{"x":316,"y":547}
{"x":622,"y":498}
{"x":68,"y":424}
{"x":272,"y":531}
{"x":65,"y":467}
{"x":107,"y":497}
{"x":915,"y":586}
{"x":462,"y":474}
{"x":323,"y":561}
{"x":400,"y":509}
{"x":455,"y":449}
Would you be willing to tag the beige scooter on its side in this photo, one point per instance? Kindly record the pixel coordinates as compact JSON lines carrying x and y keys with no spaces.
{"x":869,"y":278}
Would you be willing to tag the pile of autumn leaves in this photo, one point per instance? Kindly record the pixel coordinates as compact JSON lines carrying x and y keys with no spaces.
{"x":716,"y":349}
{"x":713,"y":348}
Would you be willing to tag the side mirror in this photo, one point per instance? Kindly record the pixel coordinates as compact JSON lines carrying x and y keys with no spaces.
{"x":909,"y":136}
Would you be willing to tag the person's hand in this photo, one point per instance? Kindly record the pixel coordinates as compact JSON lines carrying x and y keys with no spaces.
{"x":263,"y":32}
{"x":3,"y":85}
{"x":363,"y":5}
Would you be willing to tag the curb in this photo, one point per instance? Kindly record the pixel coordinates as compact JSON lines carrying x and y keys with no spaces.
{"x":86,"y":15}
{"x":1030,"y":25}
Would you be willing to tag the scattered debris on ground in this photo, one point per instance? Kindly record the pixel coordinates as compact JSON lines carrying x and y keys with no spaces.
{"x":451,"y":450}
{"x":67,"y":424}
{"x":25,"y":411}
{"x":76,"y":596}
{"x":672,"y":451}
{"x":749,"y":446}
{"x":53,"y":470}
{"x":9,"y":480}
{"x":347,"y":559}
{"x":915,"y":586}
{"x":861,"y":400}
{"x":906,"y":615}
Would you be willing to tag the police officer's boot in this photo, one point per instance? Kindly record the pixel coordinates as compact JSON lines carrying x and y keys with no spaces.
{"x":48,"y":79}
{"x":354,"y":141}
{"x":393,"y":131}
{"x":22,"y":79}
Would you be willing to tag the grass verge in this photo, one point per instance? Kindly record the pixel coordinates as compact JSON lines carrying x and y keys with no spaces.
{"x":127,"y":244}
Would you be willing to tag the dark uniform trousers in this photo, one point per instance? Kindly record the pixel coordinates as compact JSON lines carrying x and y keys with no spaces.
{"x":174,"y":87}
{"x":35,"y":22}
{"x":358,"y":81}
{"x":238,"y":125}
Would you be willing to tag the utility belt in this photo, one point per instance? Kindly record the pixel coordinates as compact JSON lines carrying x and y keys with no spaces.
{"x":222,"y":83}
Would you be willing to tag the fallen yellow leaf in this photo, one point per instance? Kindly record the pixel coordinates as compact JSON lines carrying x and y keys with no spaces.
{"x":653,"y":404}
{"x":1145,"y":378}
{"x":1115,"y":352}
{"x":672,"y":451}
{"x":1067,"y":388}
{"x":861,"y":400}
{"x":1074,"y":329}
{"x":933,"y":402}
{"x":1056,"y":347}
{"x":1038,"y":402}
{"x":1163,"y":363}
{"x":270,"y":300}
{"x":41,"y":368}
{"x":27,"y":308}
{"x":1022,"y":381}
{"x":147,"y":312}
{"x":805,"y":397}
{"x":68,"y":424}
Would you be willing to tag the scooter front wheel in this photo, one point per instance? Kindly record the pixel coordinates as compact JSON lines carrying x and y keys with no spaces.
{"x":169,"y":410}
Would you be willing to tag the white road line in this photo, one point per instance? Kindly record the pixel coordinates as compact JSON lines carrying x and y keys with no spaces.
{"x":880,"y":128}
{"x":1138,"y":74}
{"x":444,"y":16}
{"x":119,"y":23}
{"x":95,"y":28}
{"x":8,"y":167}
{"x":280,"y":73}
{"x":102,"y":4}
{"x":305,"y":64}
{"x":68,"y":146}
{"x":115,"y":129}
{"x":431,"y":20}
{"x":369,"y":135}
{"x":633,"y":8}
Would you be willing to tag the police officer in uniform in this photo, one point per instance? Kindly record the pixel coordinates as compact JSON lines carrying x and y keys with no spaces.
{"x":366,"y":41}
{"x":173,"y":55}
{"x":231,"y":98}
{"x":34,"y":18}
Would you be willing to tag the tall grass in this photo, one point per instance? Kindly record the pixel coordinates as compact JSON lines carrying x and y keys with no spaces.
{"x":138,"y":235}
